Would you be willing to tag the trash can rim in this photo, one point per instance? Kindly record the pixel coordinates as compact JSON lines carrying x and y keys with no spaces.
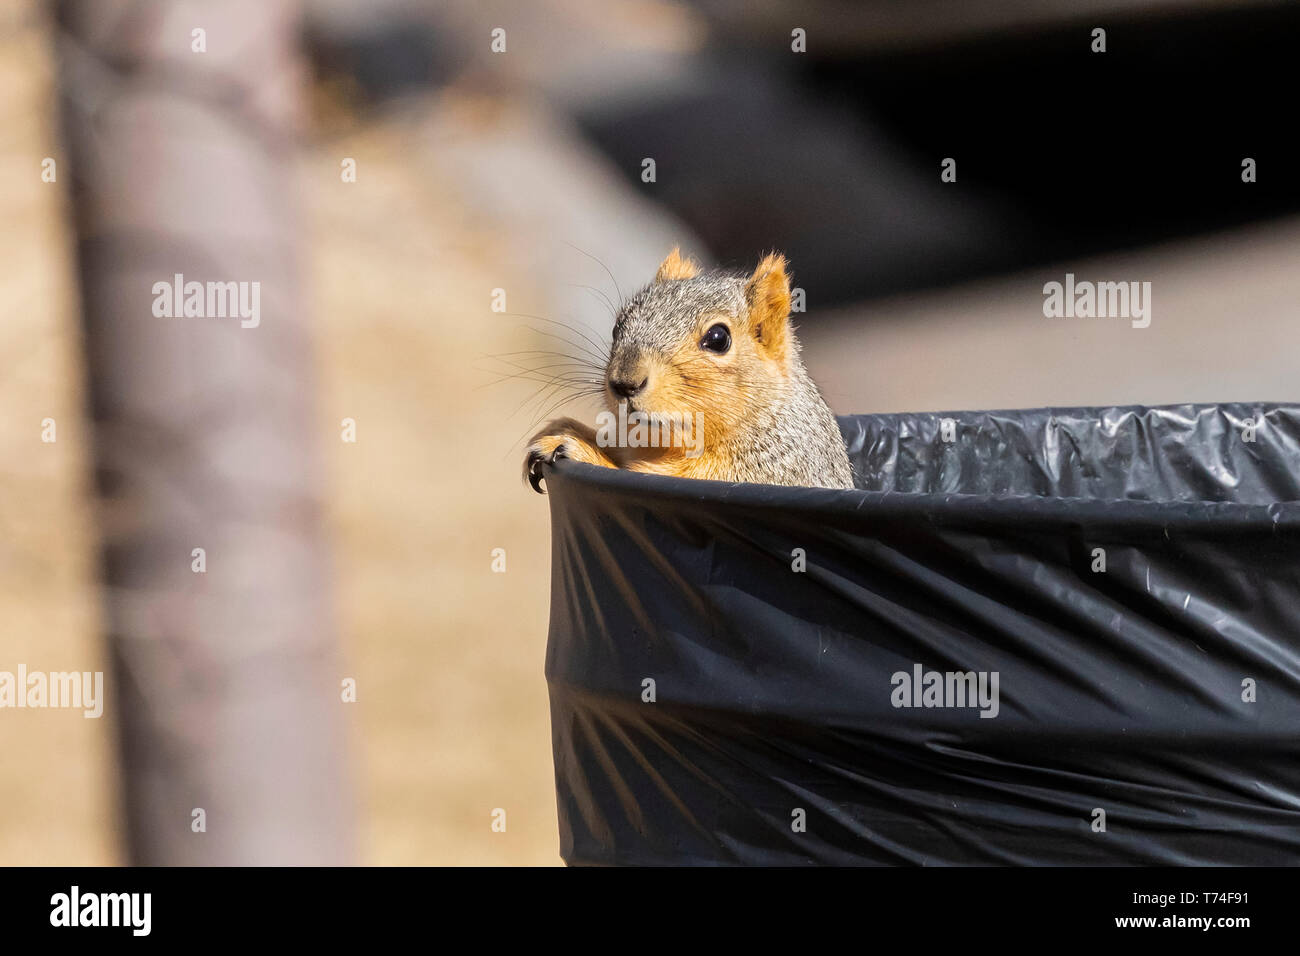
{"x":1044,"y":509}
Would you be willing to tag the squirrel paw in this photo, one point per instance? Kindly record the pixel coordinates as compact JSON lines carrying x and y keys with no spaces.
{"x":543,"y":450}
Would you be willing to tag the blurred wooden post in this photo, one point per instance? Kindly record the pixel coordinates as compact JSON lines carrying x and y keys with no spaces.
{"x":225,"y":681}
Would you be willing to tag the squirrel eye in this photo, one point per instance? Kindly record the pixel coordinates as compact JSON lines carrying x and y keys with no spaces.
{"x":717,"y":339}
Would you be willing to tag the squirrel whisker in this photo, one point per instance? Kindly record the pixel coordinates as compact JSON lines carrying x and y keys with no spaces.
{"x":602,"y":265}
{"x":572,"y":370}
{"x":597,"y":360}
{"x":605,"y":300}
{"x":599,"y":349}
{"x":547,"y":413}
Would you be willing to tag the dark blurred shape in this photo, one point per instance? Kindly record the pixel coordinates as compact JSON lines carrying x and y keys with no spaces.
{"x":756,"y":159}
{"x":878,"y":26}
{"x":834,"y":156}
{"x":386,"y":56}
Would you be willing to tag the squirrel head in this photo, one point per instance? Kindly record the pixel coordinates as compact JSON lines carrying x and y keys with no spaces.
{"x":708,"y":342}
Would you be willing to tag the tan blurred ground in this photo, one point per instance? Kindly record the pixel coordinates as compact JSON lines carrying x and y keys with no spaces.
{"x":452,"y":717}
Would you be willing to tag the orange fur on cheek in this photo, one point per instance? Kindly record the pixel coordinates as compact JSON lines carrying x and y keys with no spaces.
{"x":695,"y":383}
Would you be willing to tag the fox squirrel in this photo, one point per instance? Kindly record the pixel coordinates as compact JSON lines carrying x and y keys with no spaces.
{"x":708,"y":363}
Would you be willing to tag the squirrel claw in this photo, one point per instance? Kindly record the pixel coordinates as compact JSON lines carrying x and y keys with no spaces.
{"x":535,"y":473}
{"x":536,"y":458}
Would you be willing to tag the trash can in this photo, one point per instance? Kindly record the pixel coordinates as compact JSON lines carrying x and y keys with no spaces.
{"x":1047,"y":636}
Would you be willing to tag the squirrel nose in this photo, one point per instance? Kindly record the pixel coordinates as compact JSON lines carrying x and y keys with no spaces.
{"x":626,"y":389}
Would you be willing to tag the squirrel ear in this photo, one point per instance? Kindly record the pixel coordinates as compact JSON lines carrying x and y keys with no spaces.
{"x":768,"y":293}
{"x":675,"y":267}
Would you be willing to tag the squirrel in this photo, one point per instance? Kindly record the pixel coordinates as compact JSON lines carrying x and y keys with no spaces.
{"x":708,"y":362}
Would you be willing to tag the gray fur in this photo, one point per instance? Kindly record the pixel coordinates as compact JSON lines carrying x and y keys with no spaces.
{"x":795,"y":442}
{"x":662,"y":314}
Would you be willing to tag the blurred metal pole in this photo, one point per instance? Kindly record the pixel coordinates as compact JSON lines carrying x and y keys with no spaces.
{"x":225,"y":682}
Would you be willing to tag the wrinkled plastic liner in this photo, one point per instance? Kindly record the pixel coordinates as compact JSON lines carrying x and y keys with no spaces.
{"x":742,"y":674}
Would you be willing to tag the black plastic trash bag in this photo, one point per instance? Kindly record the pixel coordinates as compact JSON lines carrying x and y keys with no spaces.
{"x":1107,"y":600}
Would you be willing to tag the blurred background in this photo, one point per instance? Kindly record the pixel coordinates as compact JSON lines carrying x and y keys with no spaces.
{"x":500,"y":207}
